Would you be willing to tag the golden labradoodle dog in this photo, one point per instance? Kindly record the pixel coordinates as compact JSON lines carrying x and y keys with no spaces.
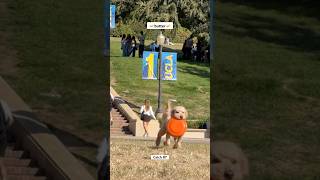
{"x":229,"y":161}
{"x":178,"y":112}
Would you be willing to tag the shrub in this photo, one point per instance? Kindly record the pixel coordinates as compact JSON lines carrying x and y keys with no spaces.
{"x":178,"y":36}
{"x":197,"y":124}
{"x":122,"y":29}
{"x":181,"y":35}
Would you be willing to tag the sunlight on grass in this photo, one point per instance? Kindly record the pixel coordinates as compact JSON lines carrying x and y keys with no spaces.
{"x":190,"y":90}
{"x":131,"y":160}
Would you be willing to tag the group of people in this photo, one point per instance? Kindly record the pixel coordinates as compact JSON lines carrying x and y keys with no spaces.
{"x":154,"y":46}
{"x":196,"y":51}
{"x":129,"y":45}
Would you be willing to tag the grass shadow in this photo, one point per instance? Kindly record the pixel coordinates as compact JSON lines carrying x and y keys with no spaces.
{"x":195,"y":71}
{"x":307,"y":8}
{"x":154,"y":147}
{"x":270,"y":30}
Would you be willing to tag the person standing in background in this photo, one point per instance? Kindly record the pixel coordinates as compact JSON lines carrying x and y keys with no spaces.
{"x":123,"y":43}
{"x":146,"y":115}
{"x":128,"y":45}
{"x":141,"y":44}
{"x":188,"y":47}
{"x":133,"y":47}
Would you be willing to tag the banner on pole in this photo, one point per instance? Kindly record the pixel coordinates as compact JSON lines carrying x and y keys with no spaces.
{"x":150,"y":65}
{"x":169,"y":66}
{"x":112,"y":16}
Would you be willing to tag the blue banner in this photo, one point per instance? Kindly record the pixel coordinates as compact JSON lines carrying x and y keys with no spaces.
{"x":169,"y":66}
{"x":112,"y":16}
{"x":150,"y":65}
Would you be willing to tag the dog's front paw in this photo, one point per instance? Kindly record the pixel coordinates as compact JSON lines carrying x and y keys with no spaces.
{"x":176,"y":146}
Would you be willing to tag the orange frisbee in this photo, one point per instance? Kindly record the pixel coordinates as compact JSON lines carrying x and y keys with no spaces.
{"x":176,"y":127}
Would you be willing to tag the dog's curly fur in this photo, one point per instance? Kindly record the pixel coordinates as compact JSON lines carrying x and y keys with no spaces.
{"x":228,"y":161}
{"x":178,"y":112}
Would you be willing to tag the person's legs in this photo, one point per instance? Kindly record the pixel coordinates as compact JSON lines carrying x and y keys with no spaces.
{"x":198,"y":56}
{"x":189,"y":53}
{"x":141,"y":48}
{"x":129,"y":51}
{"x":134,"y":52}
{"x":126,"y":50}
{"x":145,"y":126}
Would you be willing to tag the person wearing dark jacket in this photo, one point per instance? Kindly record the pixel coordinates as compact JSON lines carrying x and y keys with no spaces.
{"x":141,"y":44}
{"x":128,"y":45}
{"x":133,"y":47}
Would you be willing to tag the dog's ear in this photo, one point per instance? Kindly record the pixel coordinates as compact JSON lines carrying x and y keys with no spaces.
{"x":172,"y":112}
{"x":186,"y":112}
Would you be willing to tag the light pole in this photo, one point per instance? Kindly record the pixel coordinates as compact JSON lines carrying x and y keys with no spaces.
{"x":160,"y":42}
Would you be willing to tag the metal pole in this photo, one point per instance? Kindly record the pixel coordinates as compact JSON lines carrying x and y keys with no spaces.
{"x":159,"y":110}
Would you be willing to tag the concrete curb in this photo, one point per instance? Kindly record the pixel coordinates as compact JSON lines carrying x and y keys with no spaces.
{"x":185,"y":140}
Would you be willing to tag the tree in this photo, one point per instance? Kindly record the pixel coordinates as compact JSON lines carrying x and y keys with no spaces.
{"x":156,"y":10}
{"x":190,"y":14}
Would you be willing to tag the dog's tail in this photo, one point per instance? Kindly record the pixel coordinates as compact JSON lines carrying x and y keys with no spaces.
{"x":170,"y":102}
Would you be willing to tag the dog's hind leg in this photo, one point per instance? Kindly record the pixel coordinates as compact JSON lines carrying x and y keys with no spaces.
{"x":167,"y":141}
{"x":177,"y":143}
{"x":160,"y":134}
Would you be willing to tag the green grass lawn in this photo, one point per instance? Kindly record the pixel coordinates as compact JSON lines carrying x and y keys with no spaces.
{"x":62,"y":73}
{"x":266,"y":89}
{"x":61,"y":66}
{"x":191,"y":89}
